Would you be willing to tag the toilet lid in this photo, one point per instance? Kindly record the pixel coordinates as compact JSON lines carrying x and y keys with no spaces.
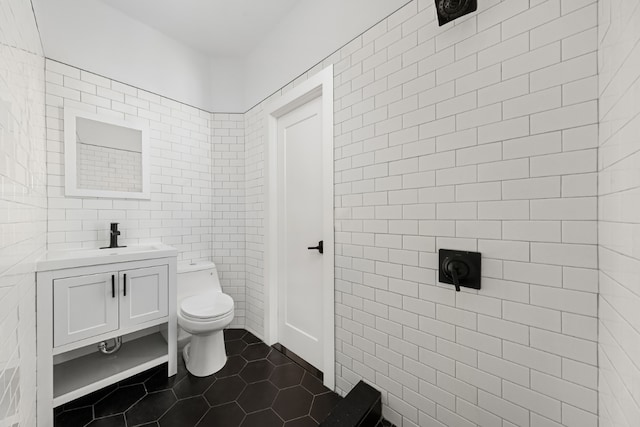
{"x":206,"y":306}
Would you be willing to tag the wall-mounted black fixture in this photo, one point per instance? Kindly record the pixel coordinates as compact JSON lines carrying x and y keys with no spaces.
{"x":459,"y":268}
{"x":113,"y":237}
{"x":320,"y":247}
{"x":448,"y":10}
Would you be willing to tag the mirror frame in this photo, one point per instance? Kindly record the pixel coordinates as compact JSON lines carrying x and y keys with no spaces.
{"x":70,"y":156}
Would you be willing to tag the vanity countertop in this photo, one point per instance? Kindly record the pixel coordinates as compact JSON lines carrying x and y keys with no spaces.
{"x":56,"y":260}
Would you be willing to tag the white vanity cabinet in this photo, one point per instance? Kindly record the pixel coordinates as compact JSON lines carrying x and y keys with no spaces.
{"x":86,"y":297}
{"x":83,"y":308}
{"x":93,"y":304}
{"x":144,"y":295}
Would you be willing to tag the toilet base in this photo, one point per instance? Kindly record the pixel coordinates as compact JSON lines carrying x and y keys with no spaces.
{"x":205,"y":354}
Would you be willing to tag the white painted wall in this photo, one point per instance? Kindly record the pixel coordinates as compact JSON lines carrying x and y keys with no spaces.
{"x":98,"y":38}
{"x":311,"y":31}
{"x":23,"y":207}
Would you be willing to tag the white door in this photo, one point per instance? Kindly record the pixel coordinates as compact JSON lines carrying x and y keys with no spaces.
{"x":144,"y":295}
{"x":300,"y":225}
{"x":84,"y":307}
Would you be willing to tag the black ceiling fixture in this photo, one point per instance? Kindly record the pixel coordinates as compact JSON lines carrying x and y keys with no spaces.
{"x":448,"y":10}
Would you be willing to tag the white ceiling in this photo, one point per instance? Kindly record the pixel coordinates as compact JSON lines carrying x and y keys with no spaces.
{"x":219,"y":28}
{"x":218,"y":55}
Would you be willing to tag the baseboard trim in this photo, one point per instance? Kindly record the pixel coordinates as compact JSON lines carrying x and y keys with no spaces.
{"x":300,"y":361}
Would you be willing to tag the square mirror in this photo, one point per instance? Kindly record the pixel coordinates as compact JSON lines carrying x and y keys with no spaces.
{"x":105,"y":157}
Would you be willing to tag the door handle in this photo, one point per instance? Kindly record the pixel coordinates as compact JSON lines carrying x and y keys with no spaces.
{"x":125,"y":284}
{"x":113,"y":286}
{"x":320,"y":247}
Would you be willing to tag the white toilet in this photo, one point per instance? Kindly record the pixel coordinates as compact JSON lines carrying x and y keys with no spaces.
{"x":203,"y":311}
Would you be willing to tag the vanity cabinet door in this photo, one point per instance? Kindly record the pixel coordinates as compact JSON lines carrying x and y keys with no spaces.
{"x":144,"y":295}
{"x":84,"y":306}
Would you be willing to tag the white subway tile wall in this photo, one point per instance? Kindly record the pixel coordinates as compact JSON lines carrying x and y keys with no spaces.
{"x":480,"y":135}
{"x":254,"y":227}
{"x":619,"y":218}
{"x":228,"y":207}
{"x":197,"y":177}
{"x":23,"y":207}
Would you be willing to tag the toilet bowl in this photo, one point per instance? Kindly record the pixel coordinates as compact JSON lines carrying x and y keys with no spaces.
{"x":203,"y":312}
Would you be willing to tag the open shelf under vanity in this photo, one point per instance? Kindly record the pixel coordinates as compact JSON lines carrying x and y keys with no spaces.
{"x":86,"y":374}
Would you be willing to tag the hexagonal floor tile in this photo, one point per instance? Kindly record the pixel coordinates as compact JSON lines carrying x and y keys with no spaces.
{"x":225,"y":390}
{"x":256,"y":351}
{"x":191,"y":386}
{"x":150,"y":408}
{"x":257,"y":396}
{"x":235,"y":347}
{"x":249,"y":338}
{"x":287,"y":375}
{"x":112,"y":421}
{"x":234,"y":334}
{"x":74,"y":417}
{"x":270,"y":388}
{"x":278,"y":358}
{"x":227,"y":415}
{"x":293,"y":403}
{"x":323,"y":404}
{"x":119,"y":400}
{"x":160,"y":380}
{"x":185,"y":413}
{"x":257,"y":370}
{"x":233,"y":366}
{"x":266,"y":418}
{"x":313,"y":384}
{"x":301,"y":422}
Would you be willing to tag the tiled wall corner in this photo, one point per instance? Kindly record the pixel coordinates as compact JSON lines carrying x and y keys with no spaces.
{"x":479,"y":135}
{"x":23,"y":204}
{"x":254,"y":176}
{"x":197,"y":177}
{"x":619,"y":212}
{"x":228,"y":204}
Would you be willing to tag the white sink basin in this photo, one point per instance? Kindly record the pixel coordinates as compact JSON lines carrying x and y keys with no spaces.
{"x":55,"y":260}
{"x":118,"y":251}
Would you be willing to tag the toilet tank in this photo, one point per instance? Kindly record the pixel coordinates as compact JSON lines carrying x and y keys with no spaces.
{"x":196,"y":278}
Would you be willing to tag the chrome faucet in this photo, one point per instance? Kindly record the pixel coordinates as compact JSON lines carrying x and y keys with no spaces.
{"x":113,"y":238}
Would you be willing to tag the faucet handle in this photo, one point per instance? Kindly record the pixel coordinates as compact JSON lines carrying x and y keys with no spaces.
{"x":113,"y":240}
{"x":114,"y":229}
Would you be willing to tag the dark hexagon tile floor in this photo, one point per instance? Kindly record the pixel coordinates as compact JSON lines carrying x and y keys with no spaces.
{"x":259,"y":386}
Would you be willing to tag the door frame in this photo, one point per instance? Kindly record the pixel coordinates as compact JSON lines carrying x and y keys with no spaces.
{"x":319,"y":85}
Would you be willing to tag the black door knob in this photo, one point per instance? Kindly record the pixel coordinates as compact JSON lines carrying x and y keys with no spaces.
{"x":320,"y":247}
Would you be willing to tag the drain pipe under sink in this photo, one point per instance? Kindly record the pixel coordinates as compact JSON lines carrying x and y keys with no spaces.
{"x":117,"y":343}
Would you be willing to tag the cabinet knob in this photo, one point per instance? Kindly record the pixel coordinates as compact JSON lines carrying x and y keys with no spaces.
{"x":125,"y":283}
